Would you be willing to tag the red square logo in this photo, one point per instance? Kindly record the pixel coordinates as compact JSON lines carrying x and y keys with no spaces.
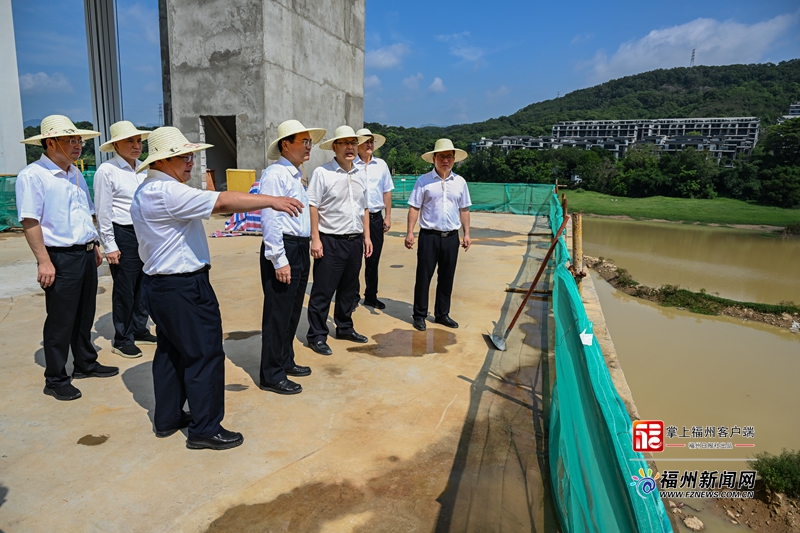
{"x":648,"y":436}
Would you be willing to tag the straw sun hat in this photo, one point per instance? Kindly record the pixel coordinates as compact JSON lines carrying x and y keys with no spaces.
{"x":59,"y":126}
{"x":379,"y":139}
{"x":166,"y":142}
{"x":342,"y":132}
{"x":122,"y":130}
{"x":289,"y":128}
{"x":444,"y":145}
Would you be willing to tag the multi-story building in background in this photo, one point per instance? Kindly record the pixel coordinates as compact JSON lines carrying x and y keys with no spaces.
{"x":725,"y":138}
{"x":794,"y":112}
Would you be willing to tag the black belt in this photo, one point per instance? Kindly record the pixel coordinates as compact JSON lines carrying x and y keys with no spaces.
{"x":348,"y":236}
{"x":295,"y":238}
{"x":377,"y":214}
{"x":205,"y":268}
{"x":88,"y":247}
{"x":439,"y":233}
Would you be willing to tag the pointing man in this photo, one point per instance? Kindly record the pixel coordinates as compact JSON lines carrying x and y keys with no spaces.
{"x":189,"y":362}
{"x":440,"y":200}
{"x":337,"y":196}
{"x":379,"y":197}
{"x":55,"y":210}
{"x":285,"y":262}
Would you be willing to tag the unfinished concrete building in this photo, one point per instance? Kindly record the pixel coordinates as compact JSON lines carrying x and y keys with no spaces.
{"x":235,"y":69}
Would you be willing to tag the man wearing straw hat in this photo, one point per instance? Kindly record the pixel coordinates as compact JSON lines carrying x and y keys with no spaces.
{"x":337,"y":196}
{"x":55,"y":210}
{"x":379,"y":197}
{"x":285,"y":262}
{"x":114,"y":184}
{"x":440,"y":200}
{"x":189,"y":362}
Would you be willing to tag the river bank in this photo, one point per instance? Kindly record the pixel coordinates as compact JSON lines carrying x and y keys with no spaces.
{"x":782,"y":316}
{"x":719,"y":211}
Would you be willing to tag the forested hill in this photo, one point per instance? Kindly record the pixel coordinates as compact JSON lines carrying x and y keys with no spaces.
{"x":761,"y":90}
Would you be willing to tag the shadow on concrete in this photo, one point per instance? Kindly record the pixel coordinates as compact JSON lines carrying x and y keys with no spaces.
{"x":500,"y":477}
{"x":394,"y":308}
{"x":104,"y":327}
{"x":400,"y":498}
{"x":243,"y":348}
{"x":3,"y":494}
{"x":139,"y":380}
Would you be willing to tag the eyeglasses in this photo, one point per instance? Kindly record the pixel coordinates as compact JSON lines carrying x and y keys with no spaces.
{"x":445,"y":157}
{"x":188,"y":158}
{"x":308,"y":143}
{"x":347,"y":143}
{"x":73,"y":142}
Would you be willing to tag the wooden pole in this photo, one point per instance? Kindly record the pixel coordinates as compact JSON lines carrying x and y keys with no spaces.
{"x":577,"y":248}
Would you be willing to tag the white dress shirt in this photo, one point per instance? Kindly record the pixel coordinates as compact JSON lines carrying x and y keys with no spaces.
{"x":168,"y":219}
{"x":439,"y":200}
{"x":59,"y":200}
{"x":340,"y":197}
{"x":379,"y":181}
{"x":114,"y":185}
{"x":282,"y":179}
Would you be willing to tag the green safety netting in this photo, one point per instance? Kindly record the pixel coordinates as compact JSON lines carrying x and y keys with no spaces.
{"x":592,"y":462}
{"x":8,"y":199}
{"x":518,"y":198}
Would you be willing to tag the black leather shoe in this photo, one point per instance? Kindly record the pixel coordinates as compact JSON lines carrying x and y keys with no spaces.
{"x":100,"y":371}
{"x":223,"y":440}
{"x":283,"y":387}
{"x":298,"y":370}
{"x":377,"y":304}
{"x":352,"y":336}
{"x":146,"y":338}
{"x":321,"y":347}
{"x":64,"y":393}
{"x":446,"y":321}
{"x":186,"y":419}
{"x":419,"y":324}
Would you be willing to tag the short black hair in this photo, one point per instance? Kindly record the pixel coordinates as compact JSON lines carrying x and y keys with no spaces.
{"x":289,"y":139}
{"x":44,"y":143}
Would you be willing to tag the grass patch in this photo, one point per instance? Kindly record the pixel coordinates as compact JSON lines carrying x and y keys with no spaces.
{"x":716,"y":211}
{"x":707,"y":304}
{"x":780,"y":473}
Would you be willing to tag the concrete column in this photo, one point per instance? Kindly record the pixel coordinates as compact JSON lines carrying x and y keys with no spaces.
{"x":101,"y":41}
{"x":12,"y":153}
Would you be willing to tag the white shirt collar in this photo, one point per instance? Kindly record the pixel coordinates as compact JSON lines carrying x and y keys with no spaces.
{"x":121,"y":163}
{"x":52,"y":167}
{"x":337,"y":167}
{"x":289,"y":166}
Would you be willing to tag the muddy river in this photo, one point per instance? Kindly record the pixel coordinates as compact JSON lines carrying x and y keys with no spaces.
{"x":692,"y":371}
{"x":738,"y":264}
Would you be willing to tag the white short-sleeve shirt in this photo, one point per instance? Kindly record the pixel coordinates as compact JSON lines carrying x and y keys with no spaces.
{"x":114,"y":185}
{"x":59,"y":200}
{"x":168,"y":219}
{"x":282,"y":179}
{"x":439,"y":200}
{"x":379,"y":181}
{"x":340,"y":198}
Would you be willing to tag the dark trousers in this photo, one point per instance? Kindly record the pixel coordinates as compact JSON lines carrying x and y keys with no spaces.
{"x":435,"y":252}
{"x":283,"y":303}
{"x":127,"y":311}
{"x":371,"y":262}
{"x":189,"y":362}
{"x":70,"y":303}
{"x":336,"y":271}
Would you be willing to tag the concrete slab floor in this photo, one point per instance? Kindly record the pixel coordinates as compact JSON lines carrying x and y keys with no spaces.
{"x":415,"y":431}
